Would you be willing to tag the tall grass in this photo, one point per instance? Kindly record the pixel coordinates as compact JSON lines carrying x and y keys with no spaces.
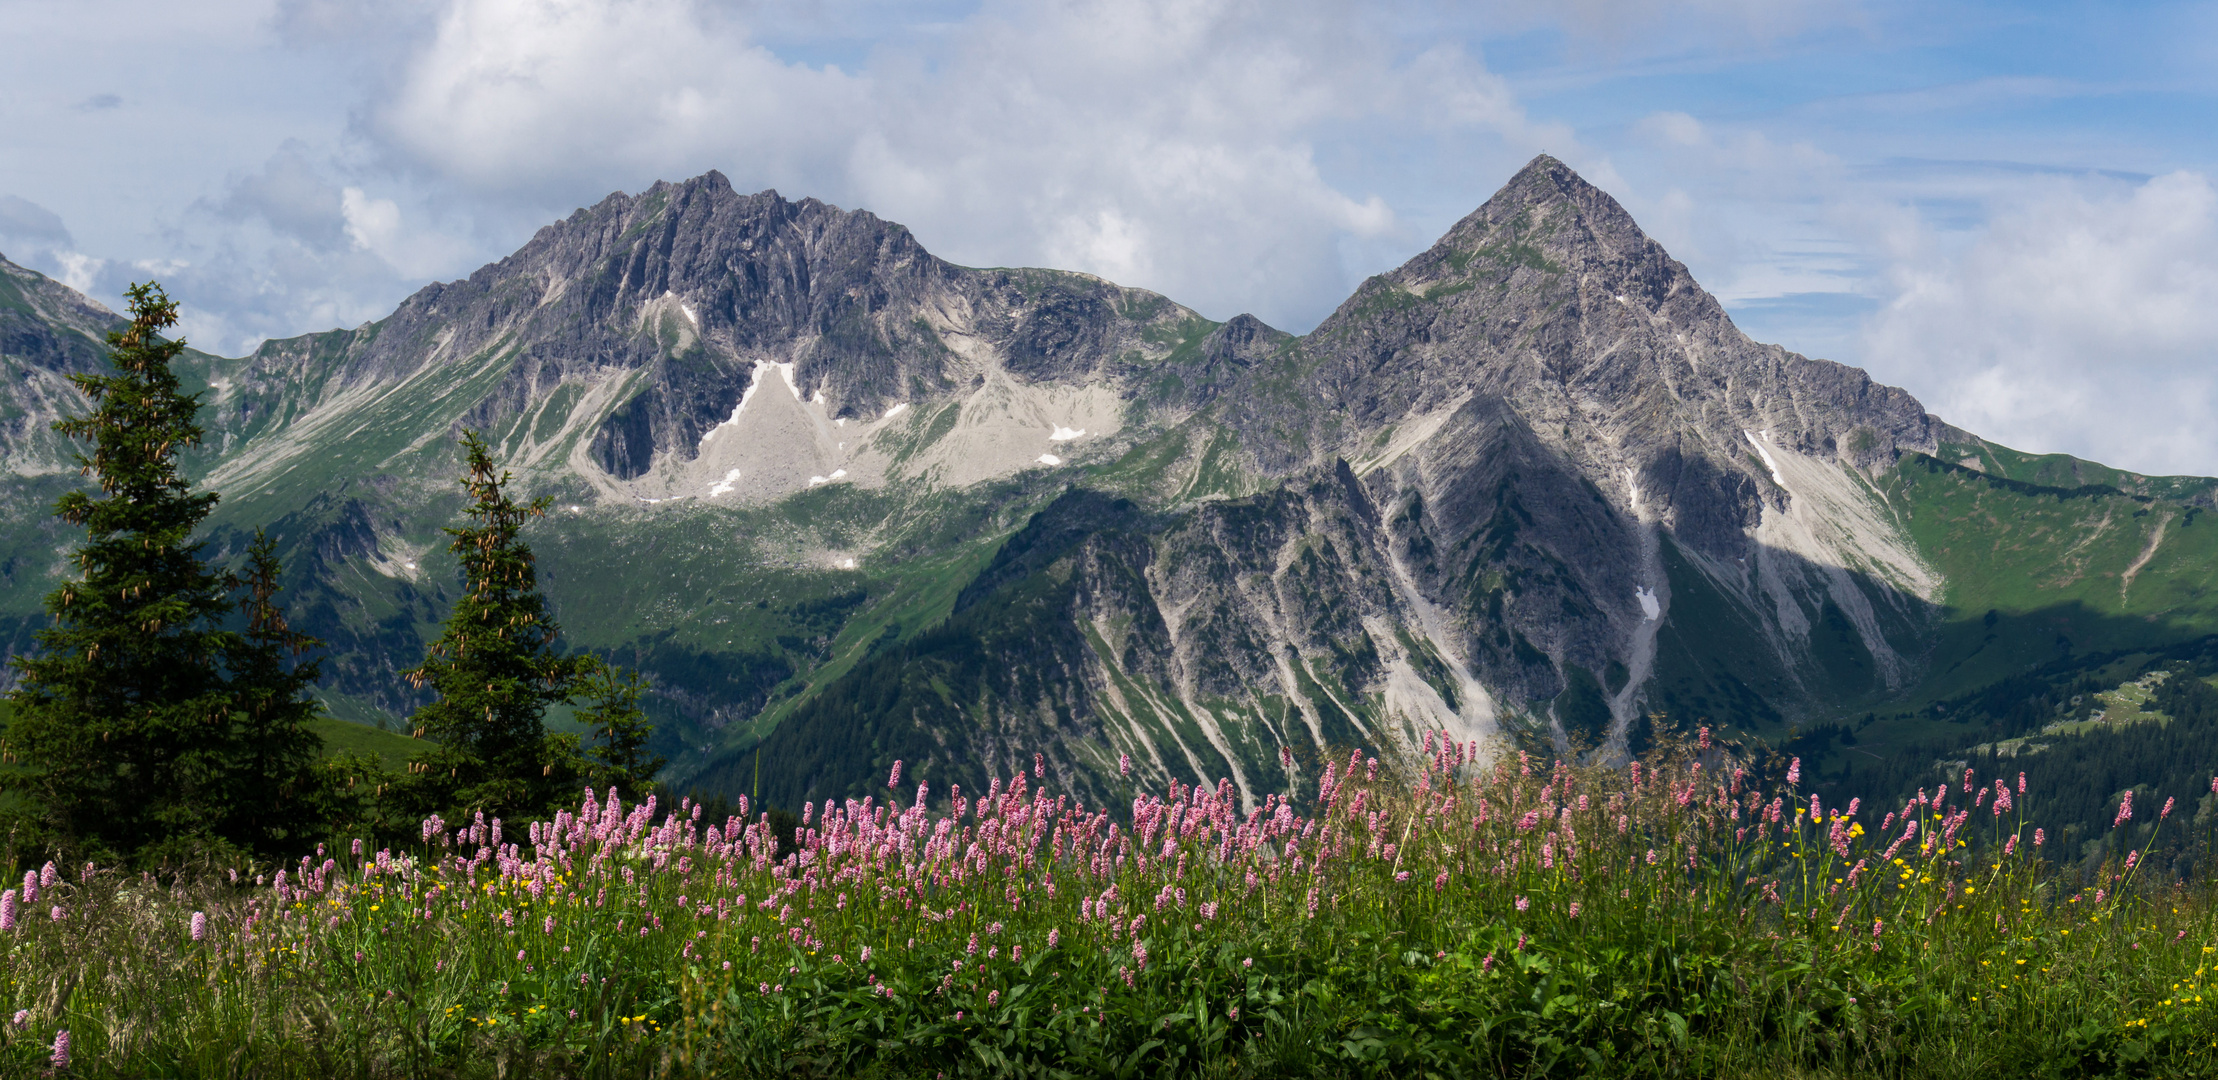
{"x":1469,"y":918}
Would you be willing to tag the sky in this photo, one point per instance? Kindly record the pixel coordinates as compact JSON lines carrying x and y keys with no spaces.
{"x":2006,"y":208}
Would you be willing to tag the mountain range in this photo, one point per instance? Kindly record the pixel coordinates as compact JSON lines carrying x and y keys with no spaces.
{"x":845,"y":502}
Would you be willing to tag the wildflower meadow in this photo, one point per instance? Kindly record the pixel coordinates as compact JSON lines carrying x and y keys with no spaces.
{"x":1460,"y":917}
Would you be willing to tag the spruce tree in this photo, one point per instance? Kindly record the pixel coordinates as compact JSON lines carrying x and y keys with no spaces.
{"x":273,"y":802}
{"x":123,"y":716}
{"x":618,"y":756}
{"x":495,"y":670}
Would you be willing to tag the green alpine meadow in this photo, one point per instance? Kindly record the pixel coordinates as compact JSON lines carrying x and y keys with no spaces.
{"x":723,"y":638}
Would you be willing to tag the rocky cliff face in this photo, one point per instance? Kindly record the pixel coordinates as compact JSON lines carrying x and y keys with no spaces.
{"x":846,"y":502}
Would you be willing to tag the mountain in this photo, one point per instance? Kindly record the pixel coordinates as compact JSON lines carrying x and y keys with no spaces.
{"x":845,"y":502}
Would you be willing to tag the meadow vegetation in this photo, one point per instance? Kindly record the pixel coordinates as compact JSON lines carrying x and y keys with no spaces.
{"x":1474,"y":917}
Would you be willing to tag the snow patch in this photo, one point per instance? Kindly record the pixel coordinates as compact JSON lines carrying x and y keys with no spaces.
{"x":1050,"y":459}
{"x":1064,"y":434}
{"x":1650,"y":608}
{"x":837,"y":474}
{"x":1764,"y":451}
{"x":724,"y":485}
{"x":895,"y":411}
{"x":847,"y":564}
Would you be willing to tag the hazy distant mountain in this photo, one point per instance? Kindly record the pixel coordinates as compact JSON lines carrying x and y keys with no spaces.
{"x":846,"y":502}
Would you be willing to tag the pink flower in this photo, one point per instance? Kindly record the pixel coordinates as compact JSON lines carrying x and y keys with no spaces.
{"x":22,"y":1019}
{"x":200,"y":926}
{"x":2039,"y":837}
{"x":1703,"y":734}
{"x":1574,"y":909}
{"x":2125,"y":809}
{"x":61,"y":1046}
{"x":993,"y":997}
{"x":1794,"y":772}
{"x":2167,"y":811}
{"x":58,"y":914}
{"x":1124,"y":764}
{"x":893,"y":779}
{"x":1523,"y":903}
{"x":7,"y":911}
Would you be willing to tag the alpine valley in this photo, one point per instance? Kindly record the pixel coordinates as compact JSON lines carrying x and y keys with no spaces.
{"x":845,"y":503}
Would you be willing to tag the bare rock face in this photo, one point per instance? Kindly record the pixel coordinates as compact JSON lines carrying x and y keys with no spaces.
{"x":846,"y":502}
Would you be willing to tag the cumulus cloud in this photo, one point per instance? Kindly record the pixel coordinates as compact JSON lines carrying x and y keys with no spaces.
{"x":2081,"y":319}
{"x":36,"y":237}
{"x":1165,"y":144}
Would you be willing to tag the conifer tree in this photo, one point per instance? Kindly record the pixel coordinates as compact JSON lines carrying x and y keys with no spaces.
{"x":618,"y":756}
{"x":495,"y":670}
{"x":272,"y":793}
{"x":124,"y":714}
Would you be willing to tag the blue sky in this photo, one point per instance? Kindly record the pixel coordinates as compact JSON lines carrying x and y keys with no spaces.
{"x":2007,"y":209}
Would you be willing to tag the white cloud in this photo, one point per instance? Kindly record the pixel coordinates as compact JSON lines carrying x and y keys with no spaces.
{"x":527,"y":94}
{"x":33,"y":236}
{"x":2081,"y":319}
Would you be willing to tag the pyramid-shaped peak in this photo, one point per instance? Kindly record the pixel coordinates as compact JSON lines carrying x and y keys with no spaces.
{"x":1551,"y":196}
{"x":1548,"y":218}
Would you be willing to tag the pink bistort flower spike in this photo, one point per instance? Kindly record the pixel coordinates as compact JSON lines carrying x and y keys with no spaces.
{"x":1794,"y":771}
{"x":2039,"y":838}
{"x":2125,"y":810}
{"x":7,"y":911}
{"x":60,"y":1056}
{"x":2167,"y":811}
{"x":1124,"y":764}
{"x":200,"y":926}
{"x":893,"y":779}
{"x":22,"y":1019}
